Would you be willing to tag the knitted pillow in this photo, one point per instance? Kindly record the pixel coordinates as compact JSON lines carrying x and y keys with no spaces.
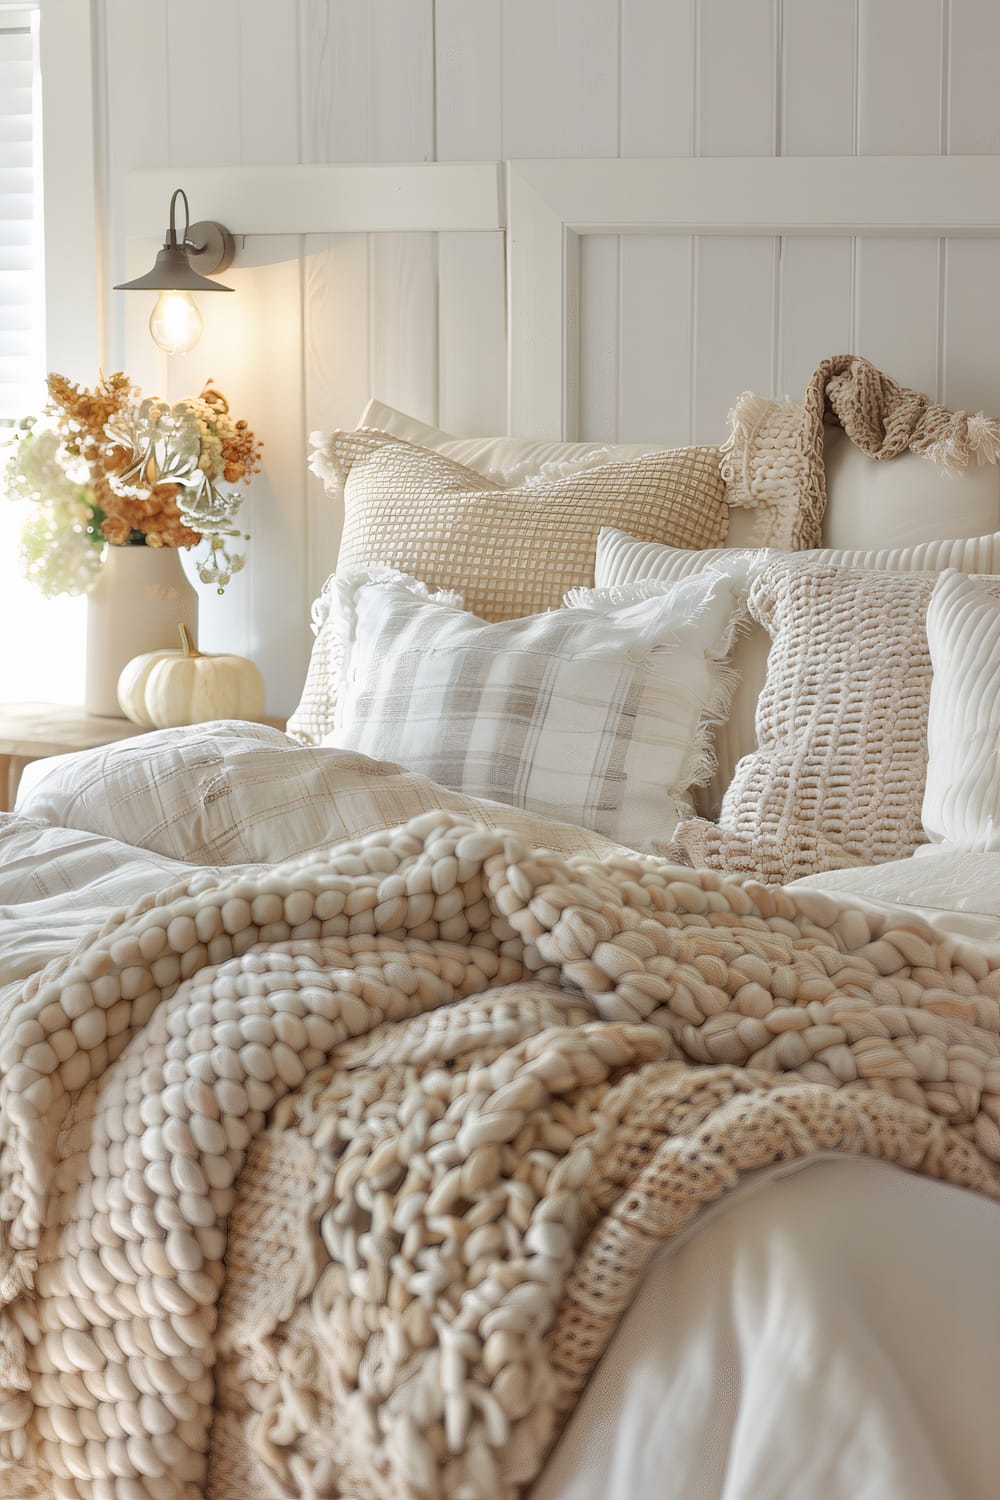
{"x":621,"y":560}
{"x":838,"y":773}
{"x":511,"y":552}
{"x":595,"y":714}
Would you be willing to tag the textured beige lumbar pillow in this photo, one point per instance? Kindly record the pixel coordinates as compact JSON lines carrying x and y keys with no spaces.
{"x":514,"y":552}
{"x":511,"y":552}
{"x":838,"y":774}
{"x":962,"y":797}
{"x":520,"y":460}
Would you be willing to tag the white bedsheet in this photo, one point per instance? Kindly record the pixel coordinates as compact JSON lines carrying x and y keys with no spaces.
{"x":829,"y":1334}
{"x":826,"y":1335}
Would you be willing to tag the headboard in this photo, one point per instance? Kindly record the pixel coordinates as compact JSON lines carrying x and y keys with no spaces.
{"x":626,"y":300}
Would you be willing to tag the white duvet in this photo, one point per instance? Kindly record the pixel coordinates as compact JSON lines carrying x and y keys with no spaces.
{"x":829,"y":1334}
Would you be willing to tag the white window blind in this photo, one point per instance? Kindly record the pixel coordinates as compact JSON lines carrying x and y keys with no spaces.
{"x":41,"y":640}
{"x":21,"y":314}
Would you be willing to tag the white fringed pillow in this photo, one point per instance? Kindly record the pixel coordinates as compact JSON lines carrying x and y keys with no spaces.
{"x":962,"y":796}
{"x":623,"y":559}
{"x":595,"y":714}
{"x":837,"y":776}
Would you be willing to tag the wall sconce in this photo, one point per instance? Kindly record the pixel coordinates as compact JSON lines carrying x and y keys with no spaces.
{"x":175,"y":322}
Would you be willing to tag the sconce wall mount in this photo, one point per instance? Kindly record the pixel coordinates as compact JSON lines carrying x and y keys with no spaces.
{"x":184,"y":265}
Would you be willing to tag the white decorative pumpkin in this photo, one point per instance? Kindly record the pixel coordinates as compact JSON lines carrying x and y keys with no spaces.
{"x":163,"y":689}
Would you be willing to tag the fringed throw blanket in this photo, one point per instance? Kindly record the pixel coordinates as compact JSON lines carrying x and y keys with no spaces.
{"x":497,"y":1079}
{"x":774,"y":455}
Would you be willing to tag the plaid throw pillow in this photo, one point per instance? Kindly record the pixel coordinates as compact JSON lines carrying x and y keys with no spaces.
{"x":596,"y":714}
{"x":512,"y":552}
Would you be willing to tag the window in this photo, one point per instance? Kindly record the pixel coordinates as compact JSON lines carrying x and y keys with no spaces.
{"x":41,"y":640}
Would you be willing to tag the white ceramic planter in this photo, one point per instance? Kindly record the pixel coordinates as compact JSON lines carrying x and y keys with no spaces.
{"x":140,"y":598}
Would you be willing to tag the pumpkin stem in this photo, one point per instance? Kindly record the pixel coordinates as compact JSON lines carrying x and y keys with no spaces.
{"x":190,"y":649}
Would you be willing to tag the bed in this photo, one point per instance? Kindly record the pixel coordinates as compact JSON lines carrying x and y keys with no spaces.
{"x":545,"y":1101}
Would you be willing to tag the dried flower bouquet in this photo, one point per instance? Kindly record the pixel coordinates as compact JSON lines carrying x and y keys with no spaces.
{"x":108,"y":465}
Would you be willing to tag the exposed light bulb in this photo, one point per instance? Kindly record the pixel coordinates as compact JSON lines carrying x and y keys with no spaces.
{"x":175,"y":322}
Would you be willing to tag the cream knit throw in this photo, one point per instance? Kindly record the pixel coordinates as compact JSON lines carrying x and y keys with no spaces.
{"x":774,"y":455}
{"x":503,"y":1124}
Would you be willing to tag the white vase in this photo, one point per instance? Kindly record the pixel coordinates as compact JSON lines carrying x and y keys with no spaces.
{"x":140,"y":598}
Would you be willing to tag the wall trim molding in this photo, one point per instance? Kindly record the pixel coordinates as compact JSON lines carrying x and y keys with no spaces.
{"x":354,"y":198}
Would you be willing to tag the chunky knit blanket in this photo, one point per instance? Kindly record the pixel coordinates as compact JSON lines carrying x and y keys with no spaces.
{"x":774,"y":455}
{"x":497,"y":1080}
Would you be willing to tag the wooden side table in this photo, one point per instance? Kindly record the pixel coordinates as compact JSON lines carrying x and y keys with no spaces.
{"x":30,"y":731}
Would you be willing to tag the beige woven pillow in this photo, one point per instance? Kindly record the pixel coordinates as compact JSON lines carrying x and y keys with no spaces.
{"x":514,"y":552}
{"x":622,"y":559}
{"x":838,"y":774}
{"x":511,"y":552}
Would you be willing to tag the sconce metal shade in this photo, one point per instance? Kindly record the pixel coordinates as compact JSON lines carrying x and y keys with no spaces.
{"x":204,"y":247}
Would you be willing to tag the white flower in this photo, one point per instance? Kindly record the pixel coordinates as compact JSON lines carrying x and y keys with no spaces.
{"x":57,"y":554}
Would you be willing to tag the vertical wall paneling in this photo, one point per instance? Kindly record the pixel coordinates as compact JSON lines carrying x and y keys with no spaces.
{"x":203,"y":93}
{"x":401,"y":50}
{"x":263,"y":358}
{"x":137,"y":136}
{"x":736,"y":112}
{"x":971,"y":368}
{"x":472,"y":333}
{"x":323,"y":55}
{"x":815,"y":311}
{"x":973,"y":52}
{"x":598,"y":338}
{"x":404,"y":321}
{"x":900,"y":77}
{"x":337,"y":371}
{"x":734,"y":327}
{"x":654,"y":376}
{"x":367,"y":80}
{"x":468,"y":87}
{"x":544,"y":45}
{"x":663,"y":331}
{"x":657,"y":77}
{"x":269,"y":83}
{"x":896,"y":308}
{"x":818,"y":53}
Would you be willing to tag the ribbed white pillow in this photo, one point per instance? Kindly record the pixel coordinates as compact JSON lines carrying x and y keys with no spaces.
{"x":962,"y":795}
{"x":596,"y":714}
{"x":623,"y":559}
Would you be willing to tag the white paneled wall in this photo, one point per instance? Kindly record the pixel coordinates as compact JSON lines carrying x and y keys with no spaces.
{"x":671,"y":329}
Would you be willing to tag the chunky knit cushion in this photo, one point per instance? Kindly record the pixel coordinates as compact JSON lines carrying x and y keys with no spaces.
{"x":596,"y":714}
{"x":511,"y":552}
{"x":623,"y":560}
{"x":837,"y":776}
{"x":962,"y":797}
